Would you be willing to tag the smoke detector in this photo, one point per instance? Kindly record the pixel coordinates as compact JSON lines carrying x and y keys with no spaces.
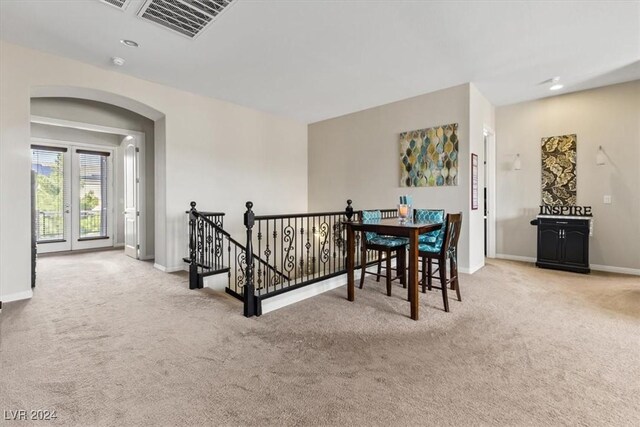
{"x":116,"y":60}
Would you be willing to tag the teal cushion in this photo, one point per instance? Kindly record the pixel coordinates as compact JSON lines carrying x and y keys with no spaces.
{"x":429,"y":247}
{"x":430,"y":215}
{"x":436,"y":246}
{"x":389,"y":241}
{"x":372,"y":216}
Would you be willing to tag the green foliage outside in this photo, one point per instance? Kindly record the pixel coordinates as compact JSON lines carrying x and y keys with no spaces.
{"x":49,"y":199}
{"x":89,"y":201}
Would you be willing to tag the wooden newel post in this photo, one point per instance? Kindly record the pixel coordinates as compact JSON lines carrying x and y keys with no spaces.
{"x":249,"y":292}
{"x":351,"y":247}
{"x":348,"y":212}
{"x":193,"y":246}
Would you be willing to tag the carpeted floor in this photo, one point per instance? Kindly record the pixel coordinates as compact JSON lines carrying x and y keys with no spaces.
{"x":108,"y":340}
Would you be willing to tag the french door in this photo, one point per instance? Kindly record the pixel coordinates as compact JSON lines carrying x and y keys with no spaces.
{"x":73,"y":197}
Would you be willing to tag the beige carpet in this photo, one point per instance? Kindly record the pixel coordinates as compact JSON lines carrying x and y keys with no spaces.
{"x":107,"y":340}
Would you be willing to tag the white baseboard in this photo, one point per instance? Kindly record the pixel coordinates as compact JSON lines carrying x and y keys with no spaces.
{"x":288,"y":298}
{"x":146,"y":258}
{"x":160,"y":267}
{"x":170,"y":269}
{"x":596,"y":267}
{"x":471,"y":270}
{"x":612,"y":269}
{"x":516,"y":258}
{"x":17,"y":296}
{"x":118,"y":245}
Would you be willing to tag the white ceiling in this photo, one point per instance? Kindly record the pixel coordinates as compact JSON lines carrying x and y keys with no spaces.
{"x":312,"y":60}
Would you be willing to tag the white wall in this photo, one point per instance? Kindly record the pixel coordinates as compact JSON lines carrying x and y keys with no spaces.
{"x":357,"y":156}
{"x":216,"y":153}
{"x":607,"y":116}
{"x":481,"y":117}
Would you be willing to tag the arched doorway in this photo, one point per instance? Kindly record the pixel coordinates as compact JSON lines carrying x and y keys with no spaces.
{"x":86,"y":111}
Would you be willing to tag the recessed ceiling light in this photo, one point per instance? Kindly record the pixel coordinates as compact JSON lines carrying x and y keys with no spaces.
{"x":129,"y":43}
{"x":556,"y":86}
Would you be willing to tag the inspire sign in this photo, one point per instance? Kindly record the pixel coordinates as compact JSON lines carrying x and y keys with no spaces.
{"x":566,"y":210}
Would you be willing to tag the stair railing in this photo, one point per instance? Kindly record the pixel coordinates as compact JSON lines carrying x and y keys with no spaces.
{"x":208,"y":242}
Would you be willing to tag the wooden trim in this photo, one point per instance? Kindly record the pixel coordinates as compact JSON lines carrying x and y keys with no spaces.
{"x":48,"y":148}
{"x":93,"y":152}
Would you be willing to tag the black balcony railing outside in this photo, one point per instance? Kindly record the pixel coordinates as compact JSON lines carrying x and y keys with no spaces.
{"x":50,"y":225}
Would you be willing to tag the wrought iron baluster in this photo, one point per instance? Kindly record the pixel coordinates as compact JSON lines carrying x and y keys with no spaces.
{"x":267,"y":254}
{"x":313,"y":247}
{"x":259,"y":271}
{"x":235,"y":288}
{"x":308,"y":247}
{"x":281,"y":250}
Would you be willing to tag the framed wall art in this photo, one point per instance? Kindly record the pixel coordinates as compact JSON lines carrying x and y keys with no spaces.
{"x":559,"y":179}
{"x":429,"y":157}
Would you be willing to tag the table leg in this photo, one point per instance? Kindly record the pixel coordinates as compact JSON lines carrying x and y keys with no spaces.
{"x":402,"y":266}
{"x":413,"y":274}
{"x":351,"y":249}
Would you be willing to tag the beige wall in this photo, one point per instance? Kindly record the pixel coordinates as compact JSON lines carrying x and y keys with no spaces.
{"x":214,"y":152}
{"x":607,"y":116}
{"x":356,"y":157}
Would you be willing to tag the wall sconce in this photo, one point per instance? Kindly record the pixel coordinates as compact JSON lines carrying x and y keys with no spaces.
{"x":600,"y":156}
{"x":517,"y":164}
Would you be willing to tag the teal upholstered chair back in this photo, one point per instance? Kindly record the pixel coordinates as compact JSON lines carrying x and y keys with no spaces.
{"x":371,"y":216}
{"x":447,"y":238}
{"x":431,"y":215}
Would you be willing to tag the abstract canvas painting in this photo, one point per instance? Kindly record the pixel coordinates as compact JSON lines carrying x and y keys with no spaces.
{"x":559,"y":170}
{"x":429,"y":157}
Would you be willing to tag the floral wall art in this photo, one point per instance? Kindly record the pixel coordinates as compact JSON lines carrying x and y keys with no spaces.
{"x":559,"y":170}
{"x":429,"y":157}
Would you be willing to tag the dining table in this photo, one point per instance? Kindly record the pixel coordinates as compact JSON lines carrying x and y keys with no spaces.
{"x":390,"y":227}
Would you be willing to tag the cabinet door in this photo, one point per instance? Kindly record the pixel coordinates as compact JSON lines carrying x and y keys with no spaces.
{"x":576,"y":245}
{"x":548,"y":243}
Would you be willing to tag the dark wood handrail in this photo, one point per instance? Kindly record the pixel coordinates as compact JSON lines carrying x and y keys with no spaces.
{"x":209,"y":213}
{"x":308,"y":215}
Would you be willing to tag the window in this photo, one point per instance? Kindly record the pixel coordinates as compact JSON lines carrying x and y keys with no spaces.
{"x":93,"y":174}
{"x":48,"y":164}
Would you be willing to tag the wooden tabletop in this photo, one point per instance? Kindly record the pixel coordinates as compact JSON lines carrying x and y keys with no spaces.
{"x":393,"y":226}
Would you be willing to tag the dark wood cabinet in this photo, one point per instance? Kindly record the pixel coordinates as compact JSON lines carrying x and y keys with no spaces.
{"x":563,"y":244}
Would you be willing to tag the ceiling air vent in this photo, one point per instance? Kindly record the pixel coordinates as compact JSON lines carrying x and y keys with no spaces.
{"x":120,"y":4}
{"x":187,"y":17}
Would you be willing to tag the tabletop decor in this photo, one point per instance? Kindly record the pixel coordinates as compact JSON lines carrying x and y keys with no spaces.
{"x":429,"y":157}
{"x":405,"y":210}
{"x":559,"y":170}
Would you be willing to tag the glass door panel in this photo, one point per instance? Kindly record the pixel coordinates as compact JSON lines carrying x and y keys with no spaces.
{"x":92,"y":192}
{"x":50,"y":165}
